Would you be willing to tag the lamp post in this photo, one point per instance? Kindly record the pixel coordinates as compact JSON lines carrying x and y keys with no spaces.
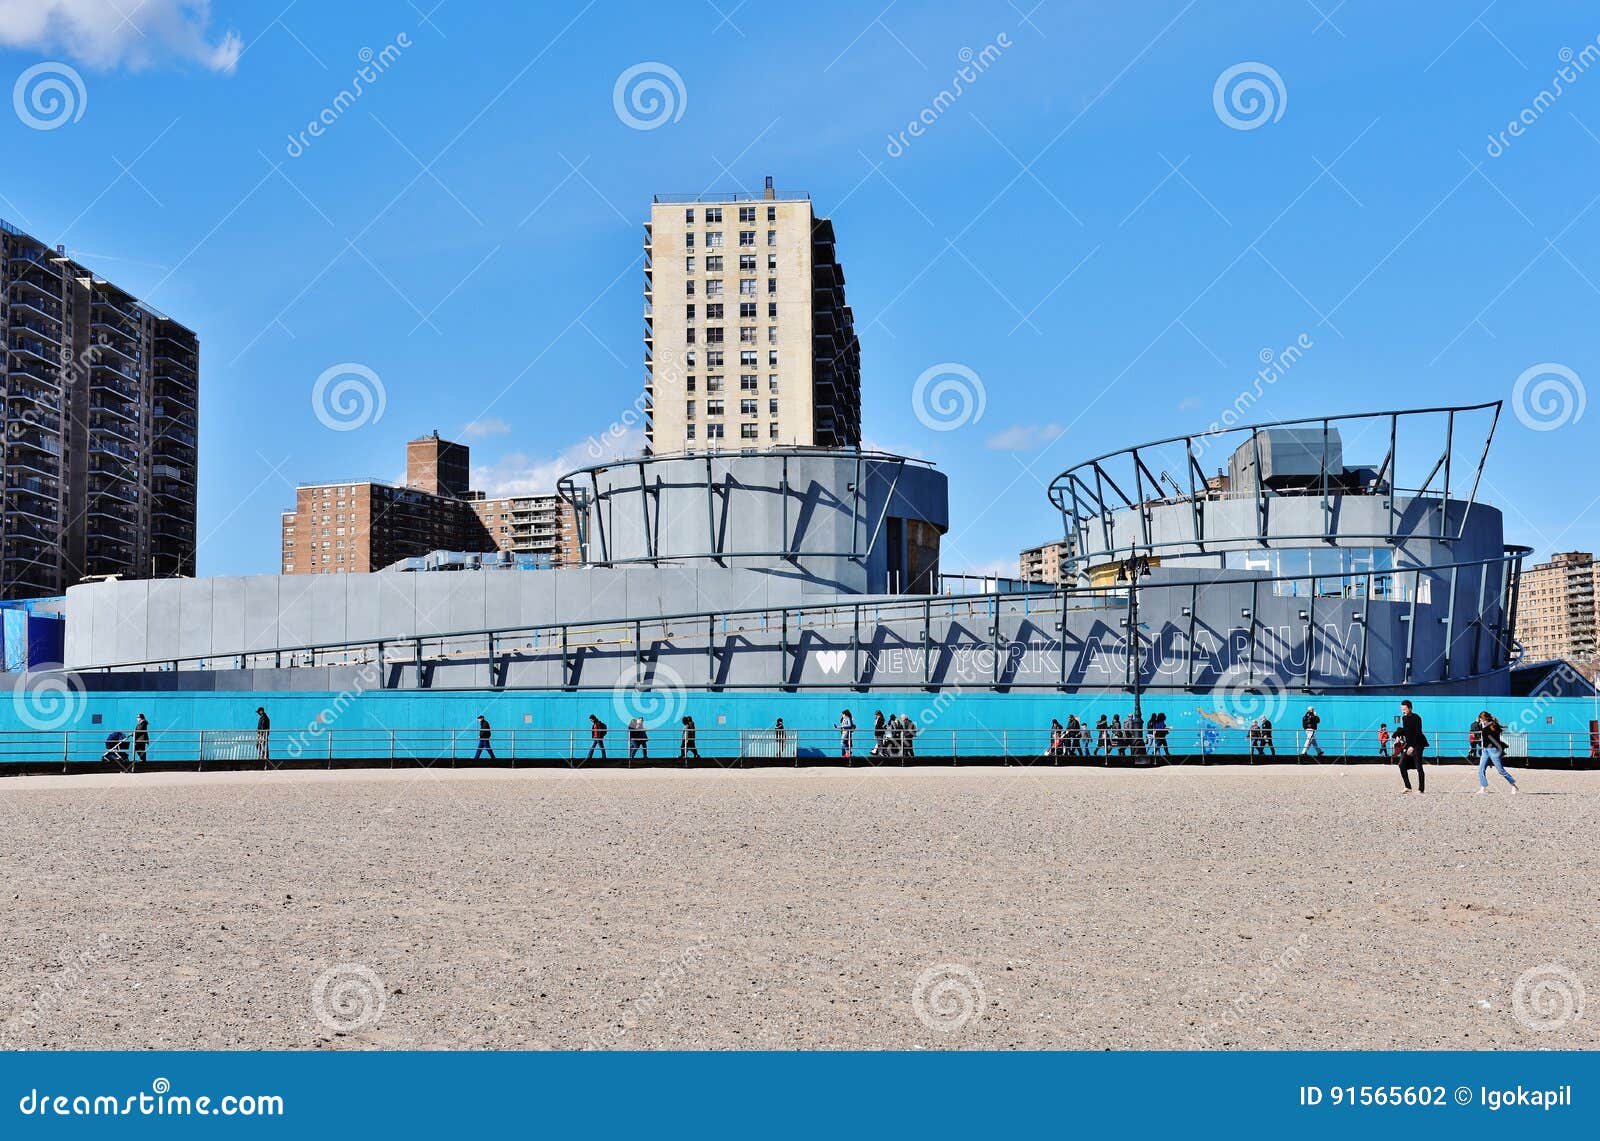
{"x":1130,"y":571}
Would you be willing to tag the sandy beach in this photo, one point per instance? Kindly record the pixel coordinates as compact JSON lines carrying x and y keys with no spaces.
{"x":917,"y":908}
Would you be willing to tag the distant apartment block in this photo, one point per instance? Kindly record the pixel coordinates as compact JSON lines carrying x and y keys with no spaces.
{"x":102,"y":427}
{"x":540,"y":525}
{"x":749,"y":343}
{"x":366,"y":525}
{"x":1043,"y":563}
{"x":1558,"y":609}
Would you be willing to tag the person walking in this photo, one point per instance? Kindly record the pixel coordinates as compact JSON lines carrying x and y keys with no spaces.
{"x":1266,"y":738}
{"x":847,"y":734}
{"x":638,"y":740}
{"x":597,"y":737}
{"x":1118,"y":741}
{"x":880,"y":731}
{"x":1158,"y":735}
{"x":263,"y":735}
{"x":1492,"y":751}
{"x":485,"y":738}
{"x":1411,"y":741}
{"x":686,"y":744}
{"x":1309,"y":723}
{"x":780,"y":737}
{"x":1383,"y":740}
{"x":908,"y":730}
{"x":1474,"y":738}
{"x":1074,"y":736}
{"x":1102,"y":730}
{"x":1253,"y":736}
{"x":141,"y":740}
{"x":1058,"y":743}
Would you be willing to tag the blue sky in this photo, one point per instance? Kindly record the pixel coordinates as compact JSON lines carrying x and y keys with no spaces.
{"x":1081,"y":228}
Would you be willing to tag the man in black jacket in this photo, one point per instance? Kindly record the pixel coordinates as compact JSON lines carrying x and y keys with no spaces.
{"x":1412,"y":742}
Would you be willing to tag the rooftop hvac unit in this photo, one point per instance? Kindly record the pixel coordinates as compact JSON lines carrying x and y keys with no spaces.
{"x":1289,"y":458}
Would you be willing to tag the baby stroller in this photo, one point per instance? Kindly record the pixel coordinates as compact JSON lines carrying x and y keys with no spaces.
{"x":116,"y":749}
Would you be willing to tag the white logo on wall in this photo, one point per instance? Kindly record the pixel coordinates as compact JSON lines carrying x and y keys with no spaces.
{"x":1249,"y":95}
{"x":348,"y":396}
{"x":655,"y":696}
{"x":649,"y":95}
{"x":49,"y":95}
{"x":1548,"y":396}
{"x":1547,"y":997}
{"x":831,"y":661}
{"x":47,"y":698}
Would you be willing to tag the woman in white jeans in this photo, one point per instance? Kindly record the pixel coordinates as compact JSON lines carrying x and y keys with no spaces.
{"x":1492,"y":750}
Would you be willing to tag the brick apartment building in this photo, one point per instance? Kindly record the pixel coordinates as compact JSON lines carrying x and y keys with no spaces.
{"x":1558,"y":609}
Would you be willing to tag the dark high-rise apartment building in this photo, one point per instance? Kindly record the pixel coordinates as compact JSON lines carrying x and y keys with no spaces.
{"x":102,"y":424}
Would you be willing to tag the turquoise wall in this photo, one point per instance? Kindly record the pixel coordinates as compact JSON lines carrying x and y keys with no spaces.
{"x":1559,"y":726}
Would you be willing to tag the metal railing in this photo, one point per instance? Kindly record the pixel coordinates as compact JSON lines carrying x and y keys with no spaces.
{"x":575,"y":746}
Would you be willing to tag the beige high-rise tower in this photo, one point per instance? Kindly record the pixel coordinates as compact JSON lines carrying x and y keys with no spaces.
{"x":748,"y":340}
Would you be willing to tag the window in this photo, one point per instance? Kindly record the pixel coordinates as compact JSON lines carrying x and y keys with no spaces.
{"x":713,"y":408}
{"x":747,"y":382}
{"x":747,"y":334}
{"x":772,"y":358}
{"x":688,"y":336}
{"x":688,"y":289}
{"x":688,"y":216}
{"x":713,"y":311}
{"x":772,"y":382}
{"x":772,"y":334}
{"x":688,"y":314}
{"x":747,"y":407}
{"x":772,"y":213}
{"x":747,"y":287}
{"x":713,"y":263}
{"x":713,"y":335}
{"x":772,"y":237}
{"x":713,"y":358}
{"x":688,"y":432}
{"x":688,"y":358}
{"x":772,"y":310}
{"x":688,"y":383}
{"x":772,"y":262}
{"x":688,"y":265}
{"x":714,"y":239}
{"x":747,"y":213}
{"x":747,"y":262}
{"x":772,"y":285}
{"x":713,"y":213}
{"x":747,"y":431}
{"x":714,"y":287}
{"x":747,"y":310}
{"x":713,"y":431}
{"x":713,"y":384}
{"x":747,"y":237}
{"x":772,"y":408}
{"x":689,"y":409}
{"x":747,"y":358}
{"x":772,"y":431}
{"x":688,"y":241}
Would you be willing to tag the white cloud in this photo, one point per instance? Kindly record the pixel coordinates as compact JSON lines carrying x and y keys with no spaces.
{"x":488,"y":426}
{"x":1024,"y":437}
{"x":119,"y":33}
{"x":517,"y":473}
